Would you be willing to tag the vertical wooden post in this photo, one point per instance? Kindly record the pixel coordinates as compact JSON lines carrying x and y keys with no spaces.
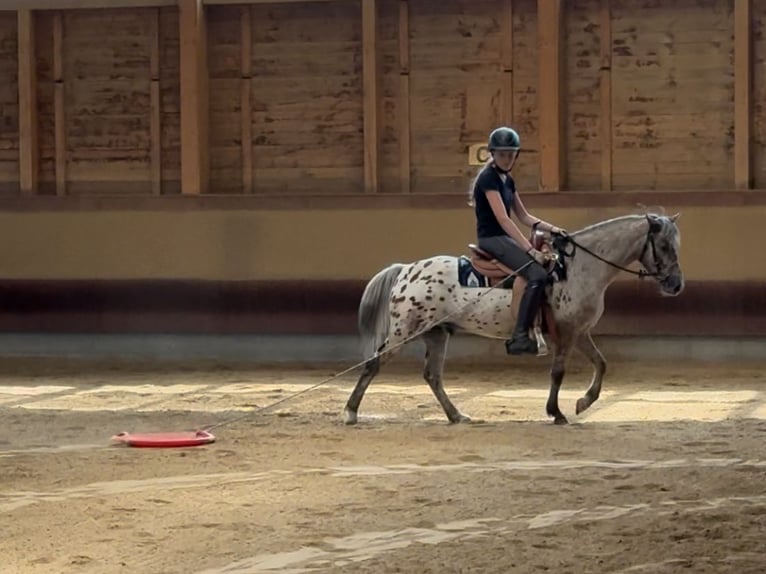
{"x":194,"y":97}
{"x":155,"y":125}
{"x":246,"y":39}
{"x":59,"y":108}
{"x":404,"y":97}
{"x":506,"y":57}
{"x":370,"y":88}
{"x":29,"y":152}
{"x":605,"y":80}
{"x":550,"y":48}
{"x":742,"y":93}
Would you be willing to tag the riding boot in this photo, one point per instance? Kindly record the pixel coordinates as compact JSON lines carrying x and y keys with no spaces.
{"x":520,"y":341}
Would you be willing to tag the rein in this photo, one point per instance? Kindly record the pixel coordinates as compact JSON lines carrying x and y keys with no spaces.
{"x":641,"y":273}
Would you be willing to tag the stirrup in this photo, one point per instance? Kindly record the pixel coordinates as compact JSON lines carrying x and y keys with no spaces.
{"x":542,"y":345}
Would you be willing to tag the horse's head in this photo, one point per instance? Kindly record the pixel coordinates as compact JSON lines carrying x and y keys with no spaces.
{"x":660,"y":253}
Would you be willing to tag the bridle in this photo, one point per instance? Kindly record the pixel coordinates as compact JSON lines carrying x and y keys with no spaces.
{"x":654,"y":227}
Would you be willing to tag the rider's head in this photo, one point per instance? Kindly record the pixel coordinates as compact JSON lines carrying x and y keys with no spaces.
{"x":504,"y":144}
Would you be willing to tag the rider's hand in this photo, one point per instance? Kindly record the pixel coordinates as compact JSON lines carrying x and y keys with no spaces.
{"x":538,"y":256}
{"x":558,"y":231}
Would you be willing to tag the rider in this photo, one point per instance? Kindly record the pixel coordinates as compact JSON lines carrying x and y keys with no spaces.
{"x":494,"y":196}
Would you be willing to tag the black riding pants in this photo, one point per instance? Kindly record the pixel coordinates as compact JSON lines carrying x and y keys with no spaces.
{"x":508,"y":252}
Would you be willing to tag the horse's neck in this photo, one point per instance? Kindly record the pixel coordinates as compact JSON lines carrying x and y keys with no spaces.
{"x":617,"y":242}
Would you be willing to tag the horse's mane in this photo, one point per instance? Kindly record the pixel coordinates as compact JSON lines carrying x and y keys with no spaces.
{"x":668,"y":230}
{"x":608,"y":223}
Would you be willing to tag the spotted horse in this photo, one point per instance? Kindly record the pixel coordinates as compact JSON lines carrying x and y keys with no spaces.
{"x":426,"y":299}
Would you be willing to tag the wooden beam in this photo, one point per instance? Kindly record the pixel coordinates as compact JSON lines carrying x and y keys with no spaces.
{"x":550,"y":49}
{"x":404,"y":97}
{"x":194,"y":98}
{"x":591,"y":199}
{"x":155,"y":124}
{"x":81,"y":4}
{"x":59,"y":107}
{"x":246,"y":56}
{"x":605,"y":81}
{"x":370,"y":94}
{"x":743,"y":102}
{"x":506,"y":57}
{"x":98,"y":4}
{"x":29,"y":152}
{"x":214,"y":2}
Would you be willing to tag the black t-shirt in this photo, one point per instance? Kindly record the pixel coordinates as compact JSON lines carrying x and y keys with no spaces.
{"x":490,"y":179}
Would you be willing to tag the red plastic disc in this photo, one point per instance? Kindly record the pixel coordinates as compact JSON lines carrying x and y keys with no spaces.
{"x":165,"y":439}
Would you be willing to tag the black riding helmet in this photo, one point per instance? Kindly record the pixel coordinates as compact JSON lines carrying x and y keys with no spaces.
{"x":504,"y":138}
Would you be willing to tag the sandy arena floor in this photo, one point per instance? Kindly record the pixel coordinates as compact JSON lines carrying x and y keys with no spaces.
{"x":666,"y":473}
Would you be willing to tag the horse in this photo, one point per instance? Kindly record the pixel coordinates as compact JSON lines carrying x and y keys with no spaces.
{"x":431,"y":299}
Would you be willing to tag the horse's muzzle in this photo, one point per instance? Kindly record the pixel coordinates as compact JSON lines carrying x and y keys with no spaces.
{"x":672,"y":285}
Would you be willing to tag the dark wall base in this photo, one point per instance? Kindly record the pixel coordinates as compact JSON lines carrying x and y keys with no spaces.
{"x":329,"y":307}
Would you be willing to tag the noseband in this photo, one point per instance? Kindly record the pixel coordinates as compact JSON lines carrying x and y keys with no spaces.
{"x":654,"y":227}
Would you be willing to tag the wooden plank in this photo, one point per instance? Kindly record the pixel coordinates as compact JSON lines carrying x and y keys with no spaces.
{"x":526,"y":93}
{"x":194,"y":98}
{"x":673,"y":99}
{"x":59,"y":103}
{"x":550,"y":46}
{"x":246,"y":40}
{"x":108,"y":97}
{"x":170,"y":100}
{"x":308,"y":96}
{"x":29,"y":151}
{"x":214,"y":2}
{"x":454,"y":106}
{"x":155,"y":104}
{"x":203,"y":99}
{"x":370,"y":95}
{"x":81,"y":4}
{"x":743,"y":112}
{"x":404,"y":96}
{"x":404,"y":37}
{"x":605,"y":80}
{"x":583,"y":118}
{"x":506,"y":57}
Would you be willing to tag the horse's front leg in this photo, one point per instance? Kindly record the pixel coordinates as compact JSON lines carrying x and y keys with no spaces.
{"x":588,"y":348}
{"x":558,"y":368}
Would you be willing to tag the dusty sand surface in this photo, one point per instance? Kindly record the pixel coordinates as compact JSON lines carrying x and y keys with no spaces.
{"x":664,"y":474}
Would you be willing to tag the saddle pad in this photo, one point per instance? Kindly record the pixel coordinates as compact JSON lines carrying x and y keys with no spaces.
{"x":468,"y":276}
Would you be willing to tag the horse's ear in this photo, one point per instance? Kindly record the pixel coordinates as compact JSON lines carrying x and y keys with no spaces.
{"x":675,"y":217}
{"x":654,"y":223}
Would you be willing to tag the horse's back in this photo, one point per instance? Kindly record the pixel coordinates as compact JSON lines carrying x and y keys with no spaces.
{"x":429,"y":272}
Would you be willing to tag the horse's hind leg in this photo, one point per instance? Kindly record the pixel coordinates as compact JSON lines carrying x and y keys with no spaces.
{"x":370,"y":370}
{"x":588,"y":348}
{"x":436,"y":353}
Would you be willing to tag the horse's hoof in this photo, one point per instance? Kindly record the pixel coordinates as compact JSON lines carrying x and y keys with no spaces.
{"x":461,"y":419}
{"x":560,"y":420}
{"x":582,"y":405}
{"x":349,"y":417}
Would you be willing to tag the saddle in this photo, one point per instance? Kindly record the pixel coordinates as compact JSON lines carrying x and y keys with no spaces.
{"x":496,"y":272}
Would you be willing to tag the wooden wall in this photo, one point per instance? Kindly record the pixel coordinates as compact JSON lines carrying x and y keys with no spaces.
{"x":9,"y":98}
{"x":379,"y":97}
{"x":286,"y":80}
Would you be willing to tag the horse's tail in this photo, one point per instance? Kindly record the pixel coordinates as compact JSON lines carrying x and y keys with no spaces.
{"x":373,"y":308}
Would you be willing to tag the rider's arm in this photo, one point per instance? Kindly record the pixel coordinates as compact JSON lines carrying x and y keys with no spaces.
{"x":526,"y":218}
{"x":496,"y":202}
